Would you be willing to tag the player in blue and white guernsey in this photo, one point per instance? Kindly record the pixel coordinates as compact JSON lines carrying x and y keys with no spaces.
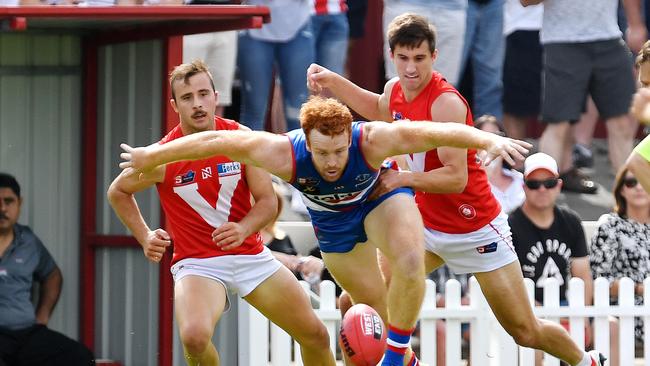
{"x":337,"y":208}
{"x":335,"y":163}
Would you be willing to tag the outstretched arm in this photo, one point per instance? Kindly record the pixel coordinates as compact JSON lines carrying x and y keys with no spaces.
{"x":370,"y":105}
{"x":265,"y":150}
{"x":405,"y":137}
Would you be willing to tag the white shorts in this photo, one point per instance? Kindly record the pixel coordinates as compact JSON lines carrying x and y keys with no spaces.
{"x":219,"y":51}
{"x":483,"y":250}
{"x":240,"y":274}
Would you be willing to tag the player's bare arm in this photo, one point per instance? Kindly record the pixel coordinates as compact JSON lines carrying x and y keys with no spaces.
{"x":121,"y":198}
{"x":265,"y":150}
{"x":452,"y":176}
{"x":363,"y":101}
{"x":232,"y":234}
{"x":530,"y":2}
{"x":404,"y":137}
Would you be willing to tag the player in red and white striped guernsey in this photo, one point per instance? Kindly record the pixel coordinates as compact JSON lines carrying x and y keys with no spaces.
{"x":215,"y":232}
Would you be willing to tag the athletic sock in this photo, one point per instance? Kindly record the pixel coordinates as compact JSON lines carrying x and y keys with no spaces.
{"x":414,"y":360}
{"x":586,"y":360}
{"x":397,"y":343}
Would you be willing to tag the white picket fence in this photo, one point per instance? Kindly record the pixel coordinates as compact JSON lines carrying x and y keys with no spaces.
{"x":490,"y":344}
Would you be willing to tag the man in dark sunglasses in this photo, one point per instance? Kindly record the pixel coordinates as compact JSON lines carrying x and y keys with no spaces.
{"x":548,"y":239}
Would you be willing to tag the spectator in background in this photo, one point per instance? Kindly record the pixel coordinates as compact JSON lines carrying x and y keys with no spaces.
{"x":25,"y":339}
{"x":548,"y":238}
{"x":219,"y":51}
{"x":285,"y":45}
{"x":550,"y":242}
{"x":522,"y":67}
{"x":506,"y":183}
{"x":448,"y":18}
{"x":584,"y":54}
{"x":483,"y":52}
{"x":331,"y":32}
{"x":356,"y":14}
{"x":621,"y":245}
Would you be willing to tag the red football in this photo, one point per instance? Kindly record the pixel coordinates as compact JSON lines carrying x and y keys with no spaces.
{"x":362,"y":335}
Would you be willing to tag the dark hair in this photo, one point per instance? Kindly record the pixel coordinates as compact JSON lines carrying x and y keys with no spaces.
{"x":620,"y":205}
{"x":410,"y":30}
{"x":8,"y":181}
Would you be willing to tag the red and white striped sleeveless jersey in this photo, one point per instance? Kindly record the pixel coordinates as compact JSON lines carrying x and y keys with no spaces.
{"x":453,"y":213}
{"x":199,"y":196}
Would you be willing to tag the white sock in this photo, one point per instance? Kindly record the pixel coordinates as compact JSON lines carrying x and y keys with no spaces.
{"x":586,"y":360}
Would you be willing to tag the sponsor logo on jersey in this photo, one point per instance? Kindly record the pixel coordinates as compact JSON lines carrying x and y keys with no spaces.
{"x":310,"y":189}
{"x":490,"y":248}
{"x":206,"y":172}
{"x":226,"y":169}
{"x":338,"y":188}
{"x":332,"y":198}
{"x":308,"y":181}
{"x":467,"y":211}
{"x":185,"y":178}
{"x":397,"y":116}
{"x":362,"y":177}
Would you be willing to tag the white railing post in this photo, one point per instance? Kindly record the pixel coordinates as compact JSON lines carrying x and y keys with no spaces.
{"x":626,"y":329}
{"x":428,"y":327}
{"x":577,"y":302}
{"x":280,"y":346}
{"x":328,"y":312}
{"x":601,"y":322}
{"x":253,"y":336}
{"x":527,"y":355}
{"x":479,"y":325}
{"x":551,"y":301}
{"x":452,"y":326}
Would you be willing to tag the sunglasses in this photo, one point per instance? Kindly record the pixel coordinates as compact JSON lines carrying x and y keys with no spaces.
{"x":630,"y":182}
{"x":536,"y":184}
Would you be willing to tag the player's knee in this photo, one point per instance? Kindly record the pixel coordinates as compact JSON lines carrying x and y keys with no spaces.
{"x":315,"y":337}
{"x":410,"y":264}
{"x":195,"y":337}
{"x":527,"y":335}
